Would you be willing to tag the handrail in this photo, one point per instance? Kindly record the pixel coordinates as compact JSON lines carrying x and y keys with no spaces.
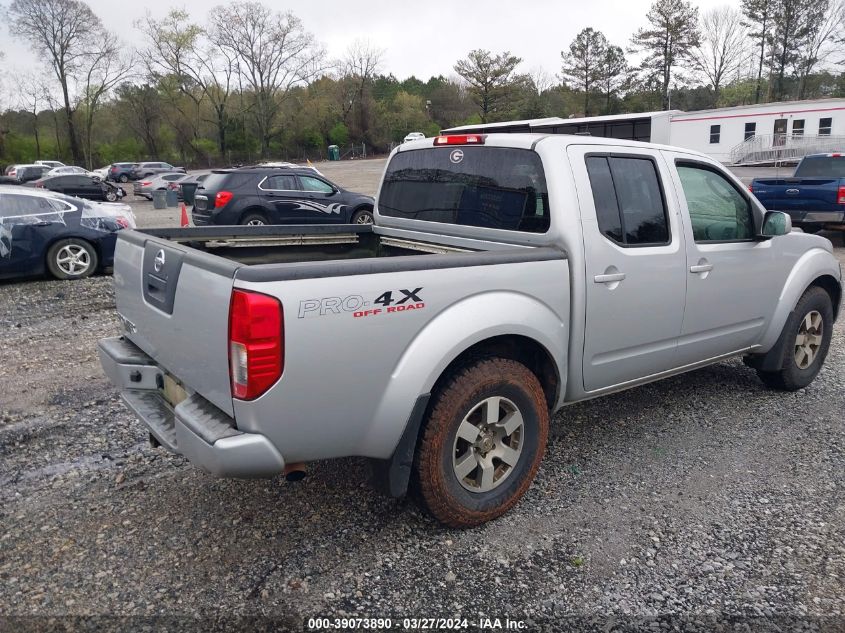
{"x":770,"y":148}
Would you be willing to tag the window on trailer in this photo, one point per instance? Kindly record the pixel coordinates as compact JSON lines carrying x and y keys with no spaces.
{"x":825,"y":126}
{"x":750,"y":131}
{"x":715,"y":134}
{"x":798,"y":127}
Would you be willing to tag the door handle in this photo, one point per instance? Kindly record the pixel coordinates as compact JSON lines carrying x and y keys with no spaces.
{"x":701,"y":268}
{"x":792,"y":192}
{"x":609,"y":278}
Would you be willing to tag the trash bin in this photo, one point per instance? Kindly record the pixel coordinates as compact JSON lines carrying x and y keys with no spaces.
{"x":172,"y":198}
{"x":188,"y":191}
{"x":334,"y":152}
{"x":159,"y":199}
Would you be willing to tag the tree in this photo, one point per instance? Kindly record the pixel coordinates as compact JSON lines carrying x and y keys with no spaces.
{"x":204,"y":72}
{"x":720,"y":49}
{"x":612,"y":73}
{"x":360,"y":67}
{"x":819,"y":39}
{"x":791,"y":22}
{"x":273,"y":53}
{"x":489,"y":79}
{"x":668,"y":42}
{"x":65,"y":31}
{"x":106,"y":68}
{"x":759,"y":15}
{"x":31,"y":96}
{"x":581,"y":66}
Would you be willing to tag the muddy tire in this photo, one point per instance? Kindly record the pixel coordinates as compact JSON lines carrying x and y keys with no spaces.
{"x":482,"y":443}
{"x":808,"y":333}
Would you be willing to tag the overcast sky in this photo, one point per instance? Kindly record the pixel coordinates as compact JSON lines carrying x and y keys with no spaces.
{"x":424,"y":37}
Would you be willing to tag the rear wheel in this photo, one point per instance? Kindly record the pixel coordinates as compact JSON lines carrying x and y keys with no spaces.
{"x":72,"y":259}
{"x":482,"y":444}
{"x":808,"y":333}
{"x":364,"y":216}
{"x":124,"y":178}
{"x":253,"y":218}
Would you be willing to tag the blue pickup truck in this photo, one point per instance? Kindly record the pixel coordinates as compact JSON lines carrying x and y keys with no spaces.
{"x":814,"y":196}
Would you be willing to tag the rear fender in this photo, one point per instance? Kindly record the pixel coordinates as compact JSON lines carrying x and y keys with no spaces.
{"x":810,"y":266}
{"x":457,"y":328}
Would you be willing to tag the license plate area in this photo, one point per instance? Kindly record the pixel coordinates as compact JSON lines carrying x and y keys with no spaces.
{"x":172,"y":390}
{"x":201,"y":203}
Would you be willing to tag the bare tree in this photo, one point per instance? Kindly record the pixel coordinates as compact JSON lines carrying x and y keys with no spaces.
{"x":721,"y":45}
{"x":181,"y":49}
{"x":273,"y":53}
{"x":360,"y":66}
{"x":490,"y":79}
{"x":65,"y":31}
{"x":819,"y":41}
{"x":107,"y":67}
{"x":30,"y":93}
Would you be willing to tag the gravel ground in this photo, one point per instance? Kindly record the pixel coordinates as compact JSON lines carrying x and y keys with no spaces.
{"x":697,"y":498}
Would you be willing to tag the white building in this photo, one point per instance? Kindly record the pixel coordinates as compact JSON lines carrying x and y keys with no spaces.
{"x":742,"y":134}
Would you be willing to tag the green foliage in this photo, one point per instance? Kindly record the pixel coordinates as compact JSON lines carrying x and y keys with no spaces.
{"x":339,"y":134}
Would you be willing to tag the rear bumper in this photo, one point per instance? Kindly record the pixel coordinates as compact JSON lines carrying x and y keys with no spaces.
{"x":194,"y":428}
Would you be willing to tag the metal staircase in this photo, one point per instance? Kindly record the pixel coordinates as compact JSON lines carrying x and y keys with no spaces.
{"x":775,"y":148}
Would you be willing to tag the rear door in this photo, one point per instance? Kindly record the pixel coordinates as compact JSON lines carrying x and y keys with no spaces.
{"x":283,"y":195}
{"x":733,"y":280}
{"x":27,"y":223}
{"x":321,"y":201}
{"x":635,"y":264}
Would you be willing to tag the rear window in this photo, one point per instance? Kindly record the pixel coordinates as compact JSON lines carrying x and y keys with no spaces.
{"x":491,"y":187}
{"x":821,"y":167}
{"x":217,"y":182}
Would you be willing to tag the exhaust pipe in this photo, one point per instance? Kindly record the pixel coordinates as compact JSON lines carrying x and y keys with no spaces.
{"x":295,"y":472}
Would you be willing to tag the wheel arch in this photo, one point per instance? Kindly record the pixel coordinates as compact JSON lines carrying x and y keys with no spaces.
{"x":830,"y":285}
{"x":253,"y":208}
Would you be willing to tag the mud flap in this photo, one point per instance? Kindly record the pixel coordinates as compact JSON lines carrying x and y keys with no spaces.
{"x":391,"y":476}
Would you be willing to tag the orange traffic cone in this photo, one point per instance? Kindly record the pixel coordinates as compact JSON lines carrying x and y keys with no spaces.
{"x":185,"y":220}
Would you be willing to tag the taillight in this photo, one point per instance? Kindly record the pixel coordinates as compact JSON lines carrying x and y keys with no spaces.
{"x":840,"y":197}
{"x":751,"y":188}
{"x":40,"y":185}
{"x":122,"y":222}
{"x":460,"y":139}
{"x":146,"y":183}
{"x":222,"y":199}
{"x":256,"y":343}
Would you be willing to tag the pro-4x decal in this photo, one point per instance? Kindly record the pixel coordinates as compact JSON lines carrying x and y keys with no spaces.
{"x":392,"y":301}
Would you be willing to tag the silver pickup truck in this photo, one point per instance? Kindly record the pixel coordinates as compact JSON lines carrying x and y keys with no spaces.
{"x":506,"y":276}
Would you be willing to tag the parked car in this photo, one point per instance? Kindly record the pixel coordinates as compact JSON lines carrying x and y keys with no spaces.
{"x":506,"y":276}
{"x":277,"y":195}
{"x":28,"y":173}
{"x":120,"y":172}
{"x":102,"y":172}
{"x":413,"y":136}
{"x":50,"y":163}
{"x":143,"y":170}
{"x":815,"y":195}
{"x":43,"y":232}
{"x":69,"y":169}
{"x":82,"y":186}
{"x":159,"y":182}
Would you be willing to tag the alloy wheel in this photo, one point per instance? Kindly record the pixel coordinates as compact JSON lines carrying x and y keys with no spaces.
{"x":809,"y":339}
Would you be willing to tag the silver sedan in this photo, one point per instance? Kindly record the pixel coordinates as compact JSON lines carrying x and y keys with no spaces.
{"x":146,"y":186}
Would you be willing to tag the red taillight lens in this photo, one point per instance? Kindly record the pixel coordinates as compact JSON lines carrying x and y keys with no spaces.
{"x":222,"y":199}
{"x":460,"y":139}
{"x":40,"y":185}
{"x":751,"y":188}
{"x":256,"y":343}
{"x":840,"y":197}
{"x":146,"y":183}
{"x":122,"y":222}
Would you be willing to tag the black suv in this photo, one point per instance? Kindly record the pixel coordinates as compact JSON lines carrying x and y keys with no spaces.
{"x":277,"y":195}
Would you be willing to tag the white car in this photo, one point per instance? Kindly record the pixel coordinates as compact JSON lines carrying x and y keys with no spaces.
{"x":66,"y":170}
{"x":414,"y":136}
{"x":50,"y":163}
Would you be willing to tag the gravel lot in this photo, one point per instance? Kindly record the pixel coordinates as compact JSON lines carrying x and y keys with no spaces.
{"x":700,"y":497}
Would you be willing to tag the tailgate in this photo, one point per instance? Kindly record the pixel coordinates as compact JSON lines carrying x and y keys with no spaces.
{"x":798,"y":194}
{"x":174,"y":304}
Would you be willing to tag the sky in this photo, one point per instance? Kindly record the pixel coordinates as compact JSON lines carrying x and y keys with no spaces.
{"x":422,"y":38}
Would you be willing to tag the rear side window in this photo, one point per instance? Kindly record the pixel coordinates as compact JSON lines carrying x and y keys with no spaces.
{"x":491,"y":187}
{"x":283,"y":182}
{"x":630,"y":208}
{"x":821,"y":167}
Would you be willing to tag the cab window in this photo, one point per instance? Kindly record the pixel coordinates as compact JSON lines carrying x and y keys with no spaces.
{"x":718,"y":211}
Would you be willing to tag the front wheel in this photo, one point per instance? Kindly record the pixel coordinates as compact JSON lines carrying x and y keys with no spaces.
{"x":482,"y":444}
{"x":808,"y":333}
{"x":364,"y":216}
{"x":72,"y":259}
{"x":111,"y":195}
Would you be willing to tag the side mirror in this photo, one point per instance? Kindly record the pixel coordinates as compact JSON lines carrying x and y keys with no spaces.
{"x":776,"y":223}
